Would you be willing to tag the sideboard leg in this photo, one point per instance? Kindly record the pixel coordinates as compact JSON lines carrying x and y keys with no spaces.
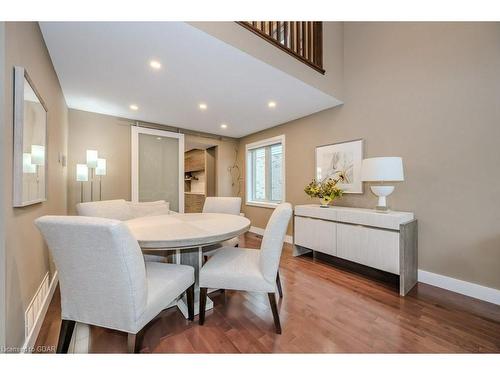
{"x":408,"y":256}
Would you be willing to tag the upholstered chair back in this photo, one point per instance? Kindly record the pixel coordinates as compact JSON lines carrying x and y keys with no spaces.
{"x":101,"y":270}
{"x":272,"y":242}
{"x":141,"y":209}
{"x":117,"y":209}
{"x":222,"y":205}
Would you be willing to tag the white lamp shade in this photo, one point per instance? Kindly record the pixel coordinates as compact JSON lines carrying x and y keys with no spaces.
{"x":37,"y":155}
{"x":28,"y":167}
{"x":82,"y":172}
{"x":382,"y":169}
{"x":92,"y":158}
{"x":101,"y":167}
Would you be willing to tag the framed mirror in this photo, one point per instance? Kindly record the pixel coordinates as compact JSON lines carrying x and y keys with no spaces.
{"x":30,"y":142}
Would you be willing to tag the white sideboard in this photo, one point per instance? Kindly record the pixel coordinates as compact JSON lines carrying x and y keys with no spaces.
{"x":385,"y":241}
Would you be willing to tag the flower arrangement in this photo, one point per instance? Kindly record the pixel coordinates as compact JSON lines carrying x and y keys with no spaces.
{"x":326,"y":190}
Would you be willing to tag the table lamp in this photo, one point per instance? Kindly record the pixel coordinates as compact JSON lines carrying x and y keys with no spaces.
{"x":382,"y":169}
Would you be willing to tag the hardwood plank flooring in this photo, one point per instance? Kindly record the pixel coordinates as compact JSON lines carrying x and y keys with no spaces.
{"x":324,"y":310}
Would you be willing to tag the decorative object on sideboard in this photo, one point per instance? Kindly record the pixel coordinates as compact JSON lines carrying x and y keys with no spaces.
{"x":382,"y":169}
{"x":342,"y":157}
{"x":326,"y":190}
{"x":30,"y":142}
{"x":94,"y":166}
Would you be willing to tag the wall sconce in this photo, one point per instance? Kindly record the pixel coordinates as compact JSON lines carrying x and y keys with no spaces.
{"x":82,"y":175}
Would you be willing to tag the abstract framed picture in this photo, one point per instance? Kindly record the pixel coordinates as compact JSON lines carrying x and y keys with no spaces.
{"x":342,"y":157}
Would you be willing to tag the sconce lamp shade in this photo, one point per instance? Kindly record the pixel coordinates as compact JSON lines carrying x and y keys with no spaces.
{"x":82,"y":172}
{"x":37,"y":154}
{"x":92,"y":158}
{"x":382,"y":169}
{"x":101,"y":167}
{"x":28,"y":167}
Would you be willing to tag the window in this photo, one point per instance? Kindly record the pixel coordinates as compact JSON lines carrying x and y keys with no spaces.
{"x":266,"y":172}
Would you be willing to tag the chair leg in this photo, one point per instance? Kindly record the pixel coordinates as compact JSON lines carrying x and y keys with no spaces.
{"x":278,"y":283}
{"x":190,"y":302}
{"x":67,"y":327}
{"x":133,"y":343}
{"x":203,"y":303}
{"x":274,"y":308}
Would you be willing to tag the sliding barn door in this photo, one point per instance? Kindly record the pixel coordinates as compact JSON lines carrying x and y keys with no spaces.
{"x":158,"y":167}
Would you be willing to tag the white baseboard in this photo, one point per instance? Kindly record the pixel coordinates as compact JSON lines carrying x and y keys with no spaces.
{"x":260,"y":231}
{"x":459,"y":286}
{"x":38,"y":306}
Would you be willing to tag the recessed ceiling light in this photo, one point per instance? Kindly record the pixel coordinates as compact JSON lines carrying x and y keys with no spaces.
{"x":203,"y":106}
{"x":223,"y":126}
{"x":155,"y":64}
{"x":271,"y":104}
{"x":133,"y":107}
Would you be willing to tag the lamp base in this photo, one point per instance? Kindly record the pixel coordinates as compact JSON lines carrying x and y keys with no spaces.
{"x":382,"y":191}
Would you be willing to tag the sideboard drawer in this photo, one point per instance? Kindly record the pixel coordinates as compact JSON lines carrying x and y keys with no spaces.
{"x":371,"y":247}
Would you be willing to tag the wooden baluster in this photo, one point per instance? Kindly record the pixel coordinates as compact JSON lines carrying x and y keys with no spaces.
{"x":309,"y":41}
{"x":278,"y":31}
{"x":285,"y":32}
{"x":304,"y":39}
{"x":318,"y":44}
{"x":299,"y":38}
{"x":262,"y":26}
{"x":292,"y":35}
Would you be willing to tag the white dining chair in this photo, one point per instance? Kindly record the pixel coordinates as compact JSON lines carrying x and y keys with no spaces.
{"x":249,"y":269}
{"x":104,"y":280}
{"x":221,"y":205}
{"x":120,"y":209}
{"x":117,"y":209}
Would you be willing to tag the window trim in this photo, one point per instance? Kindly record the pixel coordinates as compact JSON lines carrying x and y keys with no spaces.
{"x":249,"y":172}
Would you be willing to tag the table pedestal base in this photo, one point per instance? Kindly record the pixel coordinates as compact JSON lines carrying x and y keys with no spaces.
{"x":182,"y":305}
{"x":194,"y":258}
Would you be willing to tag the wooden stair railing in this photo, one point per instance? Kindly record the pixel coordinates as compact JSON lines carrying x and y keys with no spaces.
{"x":302,"y":40}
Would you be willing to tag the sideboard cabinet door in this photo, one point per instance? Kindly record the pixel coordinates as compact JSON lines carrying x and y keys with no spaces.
{"x":304,"y":232}
{"x":369,"y":246}
{"x":315,"y":234}
{"x":349,"y":242}
{"x":326,"y":235}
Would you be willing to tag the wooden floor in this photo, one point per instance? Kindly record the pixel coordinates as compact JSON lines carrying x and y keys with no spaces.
{"x":324,"y":310}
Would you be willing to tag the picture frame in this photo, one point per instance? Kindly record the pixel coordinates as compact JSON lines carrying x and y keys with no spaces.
{"x":345,"y":157}
{"x":30,"y":164}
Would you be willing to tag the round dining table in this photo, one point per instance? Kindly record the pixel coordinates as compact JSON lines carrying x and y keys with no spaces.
{"x":187,"y":235}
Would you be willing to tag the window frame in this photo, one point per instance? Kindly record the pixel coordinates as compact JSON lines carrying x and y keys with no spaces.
{"x":249,"y":172}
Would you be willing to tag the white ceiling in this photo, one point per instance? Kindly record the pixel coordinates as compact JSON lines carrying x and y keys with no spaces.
{"x":104,"y":67}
